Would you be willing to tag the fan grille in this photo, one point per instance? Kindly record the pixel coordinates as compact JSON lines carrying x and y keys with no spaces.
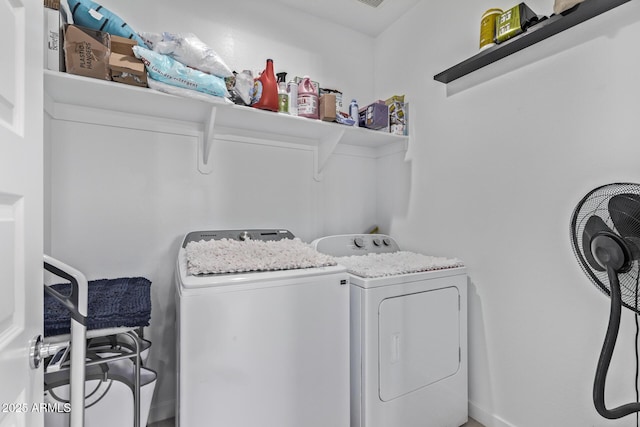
{"x":597,"y":203}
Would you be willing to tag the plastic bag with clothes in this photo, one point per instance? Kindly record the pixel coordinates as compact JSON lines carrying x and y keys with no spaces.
{"x":189,"y":50}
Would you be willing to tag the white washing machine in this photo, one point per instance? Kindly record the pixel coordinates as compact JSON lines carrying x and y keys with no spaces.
{"x":268,"y":349}
{"x":408,"y":336}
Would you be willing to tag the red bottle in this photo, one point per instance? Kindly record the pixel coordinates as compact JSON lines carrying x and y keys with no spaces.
{"x":266,"y":89}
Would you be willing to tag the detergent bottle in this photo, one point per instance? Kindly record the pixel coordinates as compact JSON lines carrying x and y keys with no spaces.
{"x":307,"y":99}
{"x":265,"y":91}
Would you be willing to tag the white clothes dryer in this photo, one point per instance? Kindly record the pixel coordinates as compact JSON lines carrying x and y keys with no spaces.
{"x":267,"y":348}
{"x":408,"y":334}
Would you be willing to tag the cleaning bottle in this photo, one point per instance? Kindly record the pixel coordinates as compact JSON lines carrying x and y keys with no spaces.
{"x":292,"y":88}
{"x":353,"y":112}
{"x":266,"y":89}
{"x":283,"y":95}
{"x":307,"y":99}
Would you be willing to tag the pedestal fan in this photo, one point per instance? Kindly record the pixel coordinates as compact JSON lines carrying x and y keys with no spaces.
{"x":605,"y":235}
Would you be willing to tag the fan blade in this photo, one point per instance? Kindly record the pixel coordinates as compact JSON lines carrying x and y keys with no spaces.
{"x":625,"y":214}
{"x":594,"y":225}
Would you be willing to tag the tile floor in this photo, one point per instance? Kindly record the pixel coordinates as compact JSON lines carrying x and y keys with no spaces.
{"x":170,"y":423}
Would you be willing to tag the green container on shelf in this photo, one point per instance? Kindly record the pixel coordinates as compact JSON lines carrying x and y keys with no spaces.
{"x":514,"y":21}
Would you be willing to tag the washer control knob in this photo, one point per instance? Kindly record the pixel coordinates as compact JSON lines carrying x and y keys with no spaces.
{"x":376,"y":242}
{"x":244,"y":236}
{"x":386,"y":241}
{"x":359,"y":242}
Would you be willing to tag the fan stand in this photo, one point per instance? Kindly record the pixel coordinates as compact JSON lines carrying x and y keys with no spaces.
{"x":607,"y":352}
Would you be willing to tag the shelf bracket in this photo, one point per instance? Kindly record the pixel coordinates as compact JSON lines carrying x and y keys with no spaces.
{"x":325,"y":148}
{"x":205,"y":165}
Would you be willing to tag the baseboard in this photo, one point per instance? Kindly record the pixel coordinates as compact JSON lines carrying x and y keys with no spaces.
{"x":485,"y":418}
{"x":165,"y":410}
{"x":162,"y":411}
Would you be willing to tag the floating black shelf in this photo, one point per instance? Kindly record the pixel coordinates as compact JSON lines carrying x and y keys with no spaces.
{"x":544,"y":29}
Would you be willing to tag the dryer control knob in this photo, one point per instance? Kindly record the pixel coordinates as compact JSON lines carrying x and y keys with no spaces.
{"x":358,"y":242}
{"x":376,"y":242}
{"x":244,"y":236}
{"x":386,"y":241}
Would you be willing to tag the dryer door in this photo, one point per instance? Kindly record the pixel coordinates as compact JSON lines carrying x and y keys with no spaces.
{"x":419,"y":341}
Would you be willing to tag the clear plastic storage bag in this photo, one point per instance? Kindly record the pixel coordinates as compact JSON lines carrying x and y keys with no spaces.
{"x":188,"y":49}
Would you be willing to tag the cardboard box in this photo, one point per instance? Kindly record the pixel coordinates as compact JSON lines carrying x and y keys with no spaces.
{"x":374,"y":116}
{"x":122,"y":45}
{"x":328,"y":107}
{"x":127,"y":69}
{"x":338,"y":95}
{"x":87,"y":52}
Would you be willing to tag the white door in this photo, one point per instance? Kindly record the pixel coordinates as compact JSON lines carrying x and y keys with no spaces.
{"x":21,"y":208}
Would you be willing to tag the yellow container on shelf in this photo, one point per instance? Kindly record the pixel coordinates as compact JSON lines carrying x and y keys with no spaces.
{"x":488,"y":28}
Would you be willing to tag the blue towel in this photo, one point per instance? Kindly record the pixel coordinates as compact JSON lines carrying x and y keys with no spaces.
{"x":112,"y":303}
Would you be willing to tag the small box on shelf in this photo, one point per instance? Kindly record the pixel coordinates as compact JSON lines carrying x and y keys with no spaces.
{"x":374,"y":116}
{"x":127,"y":69}
{"x":122,"y":45}
{"x":328,"y":107}
{"x":336,"y":93}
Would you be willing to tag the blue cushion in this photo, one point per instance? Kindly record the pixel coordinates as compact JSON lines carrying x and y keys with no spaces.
{"x":112,"y":303}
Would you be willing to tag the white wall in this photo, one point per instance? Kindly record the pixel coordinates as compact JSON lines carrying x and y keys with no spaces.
{"x":497,"y":162}
{"x":119,"y":201}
